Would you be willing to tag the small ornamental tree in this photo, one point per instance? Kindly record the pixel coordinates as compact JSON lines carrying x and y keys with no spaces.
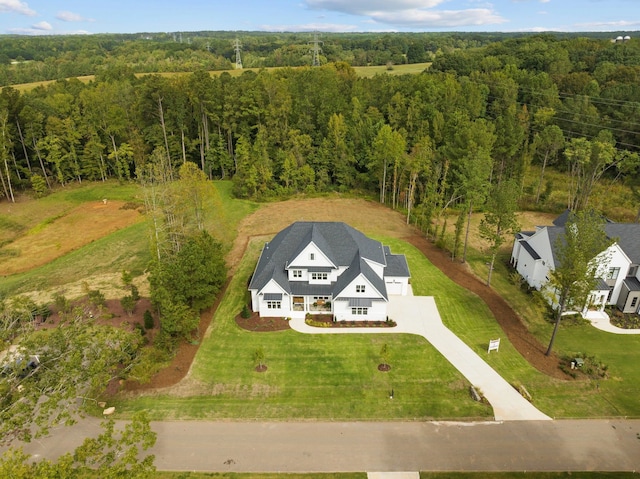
{"x":580,"y":254}
{"x":384,"y":355}
{"x":148,"y":320}
{"x":258,"y":359}
{"x":128,"y":304}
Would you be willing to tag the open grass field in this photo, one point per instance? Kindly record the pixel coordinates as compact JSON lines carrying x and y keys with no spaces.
{"x":325,"y":377}
{"x":365,"y":72}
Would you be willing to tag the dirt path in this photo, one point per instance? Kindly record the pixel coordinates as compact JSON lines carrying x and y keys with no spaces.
{"x":370,"y":218}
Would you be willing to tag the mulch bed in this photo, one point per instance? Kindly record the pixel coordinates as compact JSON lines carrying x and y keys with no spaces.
{"x":262,"y":325}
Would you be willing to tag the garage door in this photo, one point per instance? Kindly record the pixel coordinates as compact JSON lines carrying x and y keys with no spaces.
{"x":394,"y":287}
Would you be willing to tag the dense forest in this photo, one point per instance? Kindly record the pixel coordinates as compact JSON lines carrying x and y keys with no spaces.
{"x":478,"y":116}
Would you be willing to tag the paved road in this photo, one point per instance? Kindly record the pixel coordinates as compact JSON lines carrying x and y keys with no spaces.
{"x":565,"y":445}
{"x":419,"y":315}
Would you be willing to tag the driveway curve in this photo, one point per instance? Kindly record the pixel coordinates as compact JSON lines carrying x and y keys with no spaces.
{"x":419,"y":315}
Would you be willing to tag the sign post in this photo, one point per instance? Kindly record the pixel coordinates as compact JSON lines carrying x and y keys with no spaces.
{"x":494,"y":345}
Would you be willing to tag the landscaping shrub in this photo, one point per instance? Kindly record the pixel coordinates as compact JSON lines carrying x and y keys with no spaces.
{"x":148,"y":320}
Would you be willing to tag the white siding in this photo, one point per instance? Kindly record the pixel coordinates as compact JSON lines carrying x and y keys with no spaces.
{"x":377,"y":312}
{"x":351,"y":291}
{"x":303,"y":260}
{"x":536,"y":272}
{"x":616,"y":259}
{"x":376,"y":267}
{"x":262,"y":306}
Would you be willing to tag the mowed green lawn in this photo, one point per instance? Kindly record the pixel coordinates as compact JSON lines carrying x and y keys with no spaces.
{"x":310,"y":376}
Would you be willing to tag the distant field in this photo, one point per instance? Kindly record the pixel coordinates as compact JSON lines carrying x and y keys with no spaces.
{"x":412,"y":68}
{"x":364,"y":72}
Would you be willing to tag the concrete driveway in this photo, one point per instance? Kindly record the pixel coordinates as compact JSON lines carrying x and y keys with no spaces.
{"x":419,"y":315}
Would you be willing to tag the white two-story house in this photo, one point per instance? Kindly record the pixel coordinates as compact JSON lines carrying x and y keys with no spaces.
{"x":326,"y":268}
{"x":534,"y":257}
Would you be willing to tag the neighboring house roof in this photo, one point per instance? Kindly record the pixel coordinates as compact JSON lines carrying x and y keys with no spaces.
{"x":562,"y":219}
{"x":627,"y":235}
{"x":533,"y":253}
{"x":601,"y":285}
{"x":524,"y":234}
{"x":632,"y":283}
{"x":343,"y":245}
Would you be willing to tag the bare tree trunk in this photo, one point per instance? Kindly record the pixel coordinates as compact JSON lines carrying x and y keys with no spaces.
{"x":15,"y":165}
{"x":6,"y":169}
{"x":544,"y":165}
{"x":24,"y":147}
{"x":44,"y":171}
{"x":184,"y":149}
{"x":164,"y":133}
{"x":384,"y":183}
{"x":466,"y":236}
{"x":4,"y":185}
{"x":410,"y":194}
{"x":561,"y":307}
{"x":103,"y":168}
{"x":202,"y":151}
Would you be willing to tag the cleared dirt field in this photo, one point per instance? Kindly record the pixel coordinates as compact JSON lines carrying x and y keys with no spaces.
{"x":70,"y":231}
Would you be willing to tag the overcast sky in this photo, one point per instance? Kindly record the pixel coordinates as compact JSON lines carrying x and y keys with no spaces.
{"x":132,"y":16}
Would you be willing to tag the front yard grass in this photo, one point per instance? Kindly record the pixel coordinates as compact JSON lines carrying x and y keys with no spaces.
{"x":325,"y":377}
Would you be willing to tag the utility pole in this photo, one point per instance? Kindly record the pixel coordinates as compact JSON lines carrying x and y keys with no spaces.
{"x":316,"y":50}
{"x":237,"y":46}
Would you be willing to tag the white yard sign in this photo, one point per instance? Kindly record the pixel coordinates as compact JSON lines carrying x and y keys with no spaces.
{"x":494,"y":345}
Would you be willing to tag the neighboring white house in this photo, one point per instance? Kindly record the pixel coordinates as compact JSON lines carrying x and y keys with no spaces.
{"x":534,"y":257}
{"x":326,"y":268}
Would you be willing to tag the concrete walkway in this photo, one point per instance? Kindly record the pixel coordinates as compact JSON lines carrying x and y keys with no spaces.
{"x":600,"y":320}
{"x":419,"y":315}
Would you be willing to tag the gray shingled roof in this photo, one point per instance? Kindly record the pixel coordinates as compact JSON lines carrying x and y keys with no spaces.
{"x":339,"y":241}
{"x":359,"y":266}
{"x":632,"y":283}
{"x":533,"y":253}
{"x":628,"y":237}
{"x":396,"y":264}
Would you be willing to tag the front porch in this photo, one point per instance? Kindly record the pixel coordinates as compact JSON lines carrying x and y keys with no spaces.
{"x":311,"y":304}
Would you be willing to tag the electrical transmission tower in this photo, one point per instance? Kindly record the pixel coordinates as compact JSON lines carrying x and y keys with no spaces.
{"x":316,"y":50}
{"x":237,"y":46}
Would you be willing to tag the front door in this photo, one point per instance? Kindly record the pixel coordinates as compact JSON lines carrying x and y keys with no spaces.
{"x":298,"y":303}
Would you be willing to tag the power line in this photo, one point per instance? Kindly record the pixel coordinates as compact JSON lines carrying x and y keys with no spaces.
{"x":237,"y":46}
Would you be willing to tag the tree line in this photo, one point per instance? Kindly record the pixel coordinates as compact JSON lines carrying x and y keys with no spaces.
{"x":421,"y":142}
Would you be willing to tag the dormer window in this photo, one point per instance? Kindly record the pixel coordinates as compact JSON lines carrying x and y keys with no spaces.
{"x":297,"y":273}
{"x":312,"y":256}
{"x":360,"y":288}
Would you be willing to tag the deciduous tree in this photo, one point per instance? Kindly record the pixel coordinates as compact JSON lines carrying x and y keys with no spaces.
{"x":580,"y":254}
